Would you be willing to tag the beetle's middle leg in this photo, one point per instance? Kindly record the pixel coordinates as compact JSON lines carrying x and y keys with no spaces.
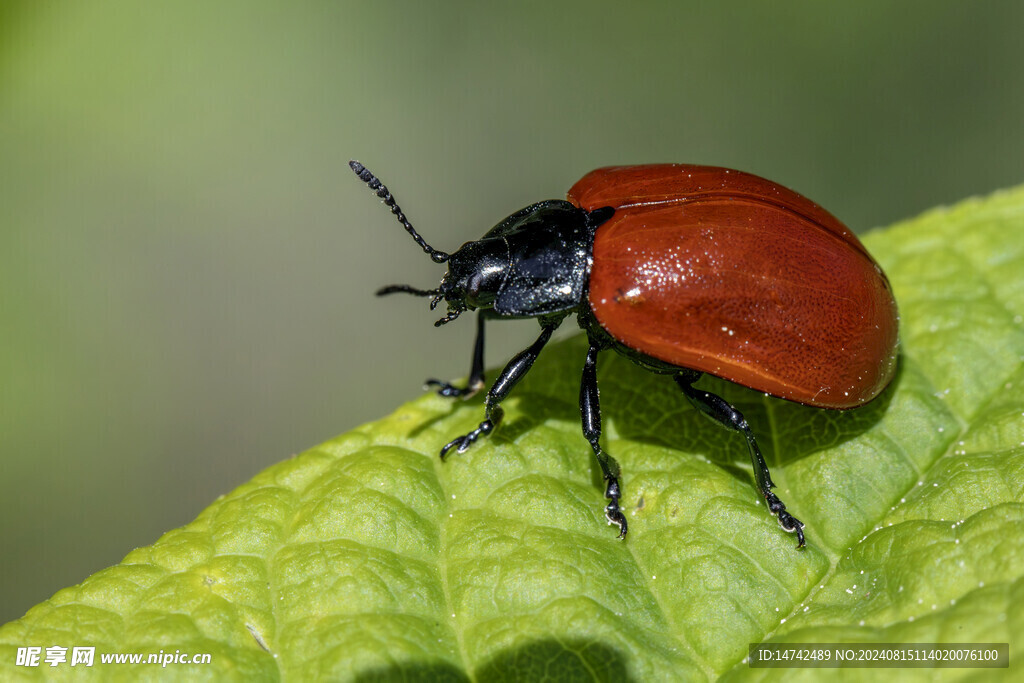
{"x":476,"y":372}
{"x":716,"y":408}
{"x":590,"y":414}
{"x":509,"y":377}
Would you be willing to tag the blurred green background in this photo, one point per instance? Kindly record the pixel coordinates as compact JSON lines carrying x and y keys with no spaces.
{"x":187,"y":264}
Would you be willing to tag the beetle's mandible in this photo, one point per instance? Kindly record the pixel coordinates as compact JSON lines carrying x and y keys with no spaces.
{"x":685,"y":270}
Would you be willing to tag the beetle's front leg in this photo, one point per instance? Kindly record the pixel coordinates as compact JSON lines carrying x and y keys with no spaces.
{"x":476,"y":372}
{"x":719,"y":410}
{"x":513,"y":372}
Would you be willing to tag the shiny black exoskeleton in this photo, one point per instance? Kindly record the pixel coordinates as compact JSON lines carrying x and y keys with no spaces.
{"x":536,"y":264}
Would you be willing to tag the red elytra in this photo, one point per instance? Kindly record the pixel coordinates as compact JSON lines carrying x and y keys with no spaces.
{"x":736,"y":276}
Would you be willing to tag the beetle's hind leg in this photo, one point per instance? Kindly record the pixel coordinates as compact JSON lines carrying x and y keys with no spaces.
{"x":509,"y":377}
{"x":476,"y":372}
{"x":724,"y":414}
{"x":590,"y":415}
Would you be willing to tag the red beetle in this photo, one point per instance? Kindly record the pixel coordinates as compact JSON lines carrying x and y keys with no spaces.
{"x":685,"y":270}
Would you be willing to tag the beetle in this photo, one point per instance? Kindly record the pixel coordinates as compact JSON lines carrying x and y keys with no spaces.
{"x":685,"y":270}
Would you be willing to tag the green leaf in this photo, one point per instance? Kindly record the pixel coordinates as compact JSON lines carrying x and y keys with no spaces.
{"x":368,"y":557}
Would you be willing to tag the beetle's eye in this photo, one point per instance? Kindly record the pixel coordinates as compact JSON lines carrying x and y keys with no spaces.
{"x":476,"y":281}
{"x":476,"y":288}
{"x":482,"y":286}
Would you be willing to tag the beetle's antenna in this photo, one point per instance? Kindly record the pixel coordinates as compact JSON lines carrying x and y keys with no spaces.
{"x":407,"y":289}
{"x":382,"y":191}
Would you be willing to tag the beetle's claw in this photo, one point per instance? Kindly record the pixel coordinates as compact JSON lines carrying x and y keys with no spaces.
{"x":451,"y":444}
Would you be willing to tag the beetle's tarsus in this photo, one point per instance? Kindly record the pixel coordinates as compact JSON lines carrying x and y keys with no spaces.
{"x":787,"y":521}
{"x":462,"y":443}
{"x":451,"y":391}
{"x":612,"y":510}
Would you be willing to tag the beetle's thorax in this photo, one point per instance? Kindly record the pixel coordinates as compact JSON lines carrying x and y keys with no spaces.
{"x":534,"y":263}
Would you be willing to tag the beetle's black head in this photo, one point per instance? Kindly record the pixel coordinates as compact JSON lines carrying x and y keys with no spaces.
{"x":475,"y":276}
